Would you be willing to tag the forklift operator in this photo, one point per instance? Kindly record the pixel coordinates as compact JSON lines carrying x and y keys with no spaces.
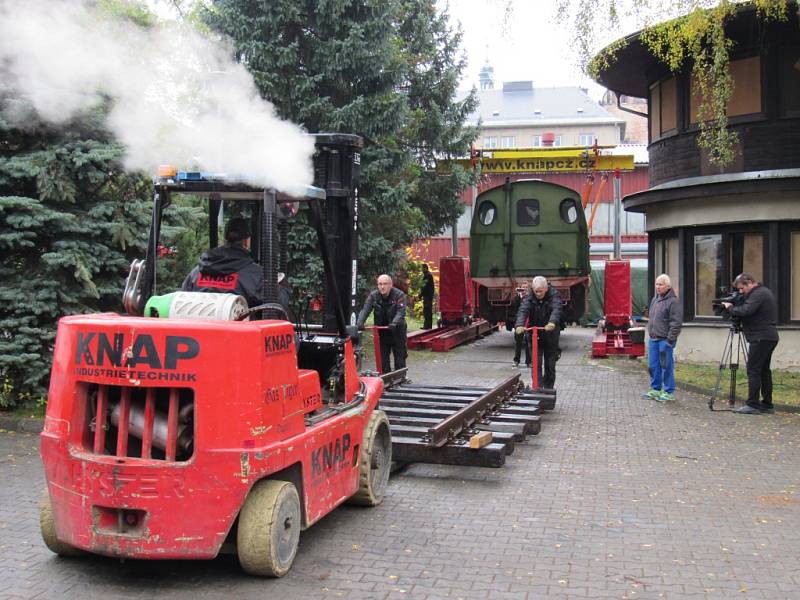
{"x":389,"y":304}
{"x":228,"y":268}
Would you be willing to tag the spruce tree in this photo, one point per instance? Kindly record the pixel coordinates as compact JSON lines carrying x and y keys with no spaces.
{"x":70,"y":221}
{"x":386,"y":71}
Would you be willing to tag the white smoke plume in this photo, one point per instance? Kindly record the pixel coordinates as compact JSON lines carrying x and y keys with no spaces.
{"x":178,"y":98}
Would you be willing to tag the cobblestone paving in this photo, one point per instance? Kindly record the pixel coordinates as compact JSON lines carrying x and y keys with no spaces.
{"x":618,"y":497}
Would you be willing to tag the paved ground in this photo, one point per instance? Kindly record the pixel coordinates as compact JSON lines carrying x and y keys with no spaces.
{"x":619,"y":497}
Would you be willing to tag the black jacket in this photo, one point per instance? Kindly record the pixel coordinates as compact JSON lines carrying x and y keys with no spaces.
{"x":540,"y":312}
{"x":388,"y":310}
{"x":427,"y":286}
{"x":759,"y":315}
{"x":227,"y":269}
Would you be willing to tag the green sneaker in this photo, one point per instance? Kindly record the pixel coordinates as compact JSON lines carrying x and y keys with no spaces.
{"x":652,"y":394}
{"x":665,"y":397}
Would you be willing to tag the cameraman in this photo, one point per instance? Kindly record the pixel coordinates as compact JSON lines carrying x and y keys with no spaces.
{"x":758,"y":314}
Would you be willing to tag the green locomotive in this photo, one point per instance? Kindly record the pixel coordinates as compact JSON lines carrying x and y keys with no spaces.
{"x":522,"y":229}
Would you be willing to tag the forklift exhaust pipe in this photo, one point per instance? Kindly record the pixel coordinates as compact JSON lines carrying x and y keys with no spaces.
{"x":136,"y":426}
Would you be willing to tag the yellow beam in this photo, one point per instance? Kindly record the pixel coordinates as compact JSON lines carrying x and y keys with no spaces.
{"x":550,"y":163}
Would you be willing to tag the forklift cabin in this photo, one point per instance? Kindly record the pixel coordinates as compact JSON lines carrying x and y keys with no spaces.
{"x":269,"y":213}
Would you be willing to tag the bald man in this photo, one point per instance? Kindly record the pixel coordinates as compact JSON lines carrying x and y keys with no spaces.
{"x":389,"y":305}
{"x":542,"y":308}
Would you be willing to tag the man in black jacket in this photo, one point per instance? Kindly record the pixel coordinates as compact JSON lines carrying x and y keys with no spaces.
{"x":228,"y":268}
{"x":427,"y":297}
{"x":759,"y":315}
{"x":542,"y":308}
{"x":389,"y":304}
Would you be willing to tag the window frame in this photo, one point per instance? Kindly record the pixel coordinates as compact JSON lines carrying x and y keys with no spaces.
{"x":659,"y":256}
{"x":519,"y":206}
{"x":690,"y":283}
{"x":481,"y":212}
{"x":561,"y":210}
{"x":785,"y":276}
{"x":692,"y":126}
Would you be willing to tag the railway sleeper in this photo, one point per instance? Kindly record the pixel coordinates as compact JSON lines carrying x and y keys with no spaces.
{"x":410,"y":449}
{"x":520,"y":429}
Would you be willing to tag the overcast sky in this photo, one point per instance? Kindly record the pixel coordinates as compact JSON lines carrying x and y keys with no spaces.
{"x":529,"y":46}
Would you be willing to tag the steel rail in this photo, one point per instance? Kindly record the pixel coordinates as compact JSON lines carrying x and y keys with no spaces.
{"x":464,"y":418}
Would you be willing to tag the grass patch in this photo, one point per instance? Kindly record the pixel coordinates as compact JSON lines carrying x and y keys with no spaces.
{"x":785,"y":384}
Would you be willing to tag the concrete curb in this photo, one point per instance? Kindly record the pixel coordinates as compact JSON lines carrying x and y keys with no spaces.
{"x":12,"y":422}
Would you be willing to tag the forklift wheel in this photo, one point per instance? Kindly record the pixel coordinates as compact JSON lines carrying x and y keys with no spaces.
{"x":49,"y":529}
{"x":376,"y":460}
{"x":269,"y":529}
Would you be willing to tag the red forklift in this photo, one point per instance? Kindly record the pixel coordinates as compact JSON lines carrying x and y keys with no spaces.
{"x":195,"y":424}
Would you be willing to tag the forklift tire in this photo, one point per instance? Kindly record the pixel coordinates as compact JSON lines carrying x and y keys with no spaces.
{"x":375,"y":461}
{"x":48,"y":527}
{"x":269,"y":529}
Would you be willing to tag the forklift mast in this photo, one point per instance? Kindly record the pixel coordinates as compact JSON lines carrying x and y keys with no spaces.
{"x":337,"y":170}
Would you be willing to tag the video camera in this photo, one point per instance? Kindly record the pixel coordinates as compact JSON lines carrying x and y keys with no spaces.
{"x":734,"y":297}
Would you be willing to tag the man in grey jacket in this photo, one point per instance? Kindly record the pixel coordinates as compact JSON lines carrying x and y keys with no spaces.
{"x":664,"y":326}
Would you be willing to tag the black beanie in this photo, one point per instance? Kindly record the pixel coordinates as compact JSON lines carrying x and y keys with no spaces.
{"x":237,"y":230}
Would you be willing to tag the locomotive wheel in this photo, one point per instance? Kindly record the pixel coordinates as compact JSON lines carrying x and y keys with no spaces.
{"x":48,"y":527}
{"x":269,"y":529}
{"x":376,"y":460}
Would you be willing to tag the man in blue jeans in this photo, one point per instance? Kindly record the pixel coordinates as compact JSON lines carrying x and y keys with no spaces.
{"x":664,"y":326}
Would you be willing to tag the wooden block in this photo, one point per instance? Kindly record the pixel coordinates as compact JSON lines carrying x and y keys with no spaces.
{"x":479,"y":440}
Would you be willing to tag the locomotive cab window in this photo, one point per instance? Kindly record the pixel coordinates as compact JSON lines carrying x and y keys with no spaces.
{"x":568,"y":209}
{"x":486,"y":213}
{"x":528,"y":212}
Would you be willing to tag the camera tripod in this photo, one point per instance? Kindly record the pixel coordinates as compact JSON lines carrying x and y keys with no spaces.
{"x":728,"y":360}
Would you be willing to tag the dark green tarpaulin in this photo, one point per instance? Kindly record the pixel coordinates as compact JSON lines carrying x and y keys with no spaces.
{"x":641,"y":297}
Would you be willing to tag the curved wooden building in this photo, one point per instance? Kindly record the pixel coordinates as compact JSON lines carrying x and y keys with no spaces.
{"x":707,"y":224}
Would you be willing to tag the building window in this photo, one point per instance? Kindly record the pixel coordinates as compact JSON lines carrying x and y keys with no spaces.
{"x":795,"y":276}
{"x":528,"y":212}
{"x":507,"y":141}
{"x":669,"y":105}
{"x":708,"y":281}
{"x":654,"y":110}
{"x":719,"y":258}
{"x":490,"y":142}
{"x":789,"y":81}
{"x":666,"y":260}
{"x":586,"y":139}
{"x":663,"y":108}
{"x":536,"y":141}
{"x":746,"y":255}
{"x":746,"y":96}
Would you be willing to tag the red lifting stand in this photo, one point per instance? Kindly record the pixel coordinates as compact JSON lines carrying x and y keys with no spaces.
{"x":456,"y":304}
{"x":616,"y":333}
